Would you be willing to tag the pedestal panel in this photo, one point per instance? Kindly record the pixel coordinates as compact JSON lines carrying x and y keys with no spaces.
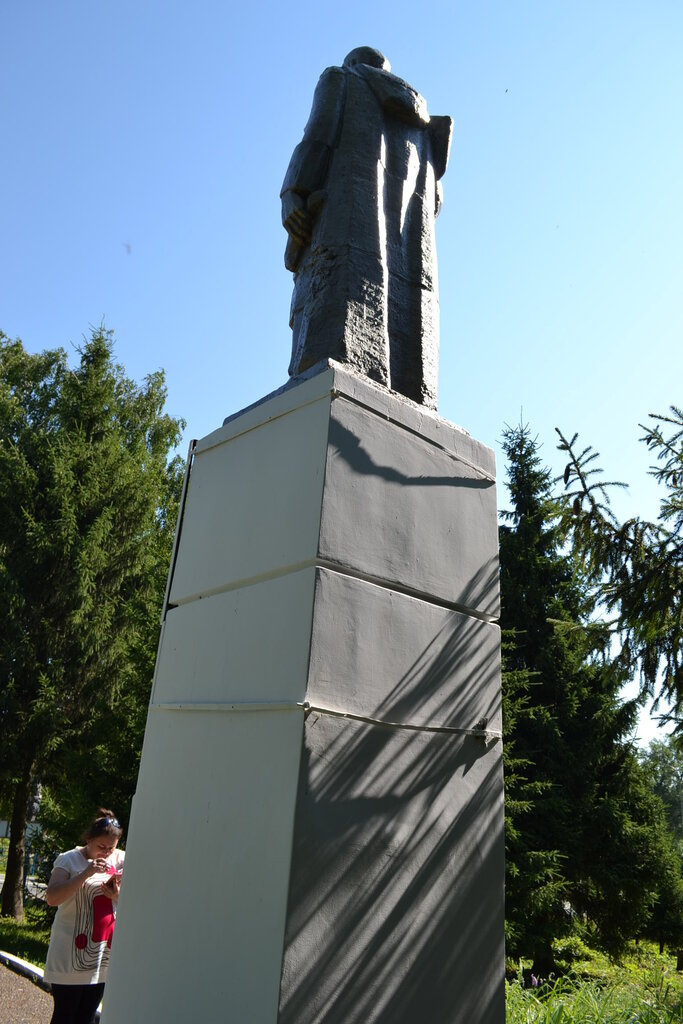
{"x":385,"y":655}
{"x":249,"y":644}
{"x":429,"y":520}
{"x":253,"y":507}
{"x":203,"y":898}
{"x":395,"y":910}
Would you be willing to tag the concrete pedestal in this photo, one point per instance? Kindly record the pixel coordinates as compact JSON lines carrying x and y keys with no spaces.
{"x":317,"y":834}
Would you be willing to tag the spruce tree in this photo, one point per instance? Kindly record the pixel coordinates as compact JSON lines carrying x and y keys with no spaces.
{"x":534,"y":882}
{"x":84,"y":474}
{"x":569,"y":854}
{"x":635,"y":567}
{"x":532,"y":578}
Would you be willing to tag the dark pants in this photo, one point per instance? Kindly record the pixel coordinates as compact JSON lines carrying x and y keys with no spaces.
{"x":76,"y":1004}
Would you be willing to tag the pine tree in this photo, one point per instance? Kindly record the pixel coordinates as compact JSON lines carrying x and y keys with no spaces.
{"x":84,"y":477}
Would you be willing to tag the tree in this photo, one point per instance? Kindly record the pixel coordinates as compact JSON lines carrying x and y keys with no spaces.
{"x":635,"y":567}
{"x":536,"y":594}
{"x":662,"y":764}
{"x":534,"y":882}
{"x":583,"y":845}
{"x":84,"y":481}
{"x":663,"y":761}
{"x":627,"y":875}
{"x":113,"y":739}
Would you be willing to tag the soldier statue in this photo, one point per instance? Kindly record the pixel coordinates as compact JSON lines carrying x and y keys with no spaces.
{"x":359,"y":201}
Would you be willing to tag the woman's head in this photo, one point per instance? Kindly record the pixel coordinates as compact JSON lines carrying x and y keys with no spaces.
{"x":103,"y":833}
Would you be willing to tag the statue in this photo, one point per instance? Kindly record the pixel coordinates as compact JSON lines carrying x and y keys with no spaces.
{"x":359,"y":201}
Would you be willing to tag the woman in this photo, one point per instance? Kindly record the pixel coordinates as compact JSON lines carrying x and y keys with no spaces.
{"x":84,"y":885}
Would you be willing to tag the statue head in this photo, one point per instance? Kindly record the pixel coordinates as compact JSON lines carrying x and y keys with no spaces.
{"x":367,"y":55}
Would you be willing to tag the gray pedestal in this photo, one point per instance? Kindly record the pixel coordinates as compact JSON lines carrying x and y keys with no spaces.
{"x":317,"y":834}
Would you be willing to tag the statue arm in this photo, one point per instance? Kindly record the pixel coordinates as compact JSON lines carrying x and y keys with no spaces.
{"x":308,"y":166}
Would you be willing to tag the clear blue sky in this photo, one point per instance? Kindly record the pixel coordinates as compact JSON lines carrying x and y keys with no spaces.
{"x":144,"y":144}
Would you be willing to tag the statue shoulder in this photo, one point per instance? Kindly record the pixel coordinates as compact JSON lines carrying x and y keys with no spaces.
{"x":328,"y":105}
{"x":331,"y":86}
{"x":333,"y":75}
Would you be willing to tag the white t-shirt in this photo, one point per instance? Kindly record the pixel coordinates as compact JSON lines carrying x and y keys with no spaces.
{"x":80,"y":941}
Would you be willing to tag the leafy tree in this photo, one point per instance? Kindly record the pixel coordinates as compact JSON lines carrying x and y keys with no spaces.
{"x":85,"y":481}
{"x":636,"y":567}
{"x":627,"y":875}
{"x":662,"y":764}
{"x":665,"y":924}
{"x":663,"y":761}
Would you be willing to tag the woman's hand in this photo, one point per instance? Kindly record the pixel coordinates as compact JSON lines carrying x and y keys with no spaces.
{"x":97,"y":866}
{"x":62,"y":885}
{"x":112,"y":887}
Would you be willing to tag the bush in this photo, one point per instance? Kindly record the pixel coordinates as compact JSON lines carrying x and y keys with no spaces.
{"x":574,"y":957}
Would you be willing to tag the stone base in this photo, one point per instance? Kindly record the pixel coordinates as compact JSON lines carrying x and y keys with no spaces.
{"x":317,"y":834}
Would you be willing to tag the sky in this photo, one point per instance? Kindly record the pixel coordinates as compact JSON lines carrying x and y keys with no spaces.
{"x":144,"y":145}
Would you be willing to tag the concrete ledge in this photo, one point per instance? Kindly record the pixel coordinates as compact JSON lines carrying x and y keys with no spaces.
{"x":33,"y":973}
{"x":23,"y":967}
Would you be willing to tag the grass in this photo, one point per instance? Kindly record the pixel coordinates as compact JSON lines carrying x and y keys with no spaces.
{"x":28,"y":938}
{"x":641,"y":988}
{"x":584,"y":1002}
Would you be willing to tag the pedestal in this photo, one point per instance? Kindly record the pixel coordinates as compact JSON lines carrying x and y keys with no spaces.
{"x":317,"y":834}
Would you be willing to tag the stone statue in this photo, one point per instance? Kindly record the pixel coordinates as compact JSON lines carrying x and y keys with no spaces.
{"x":358,"y":202}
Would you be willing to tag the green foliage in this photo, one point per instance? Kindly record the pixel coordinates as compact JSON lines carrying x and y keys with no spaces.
{"x":662,"y":766}
{"x":89,"y":498}
{"x":566,"y":1002}
{"x":29,"y":938}
{"x":574,"y":956}
{"x":530,"y":577}
{"x":641,"y":989}
{"x":627,"y":865}
{"x":586,"y":837}
{"x":663,"y":761}
{"x":634,"y":574}
{"x":568,"y":726}
{"x":635,"y":567}
{"x":534,"y":880}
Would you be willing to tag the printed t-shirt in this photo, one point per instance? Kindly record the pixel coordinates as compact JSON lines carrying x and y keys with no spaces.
{"x":80,"y":941}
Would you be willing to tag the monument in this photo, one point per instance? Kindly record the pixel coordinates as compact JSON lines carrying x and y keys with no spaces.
{"x":317,"y":833}
{"x":359,"y":201}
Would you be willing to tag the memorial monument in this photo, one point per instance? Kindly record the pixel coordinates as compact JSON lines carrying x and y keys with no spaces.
{"x":359,"y":201}
{"x":324,"y":734}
